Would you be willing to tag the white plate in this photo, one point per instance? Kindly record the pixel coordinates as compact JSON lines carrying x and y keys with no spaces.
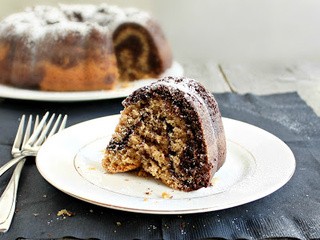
{"x":257,"y":164}
{"x":27,"y":94}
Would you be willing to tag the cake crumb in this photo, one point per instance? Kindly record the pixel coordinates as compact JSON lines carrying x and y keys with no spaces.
{"x":65,"y":213}
{"x":142,"y":173}
{"x":148,"y":192}
{"x":145,"y":199}
{"x":118,"y":224}
{"x":166,"y":195}
{"x":125,"y":84}
{"x":214,"y":181}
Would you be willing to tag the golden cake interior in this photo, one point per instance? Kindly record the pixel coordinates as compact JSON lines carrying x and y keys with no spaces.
{"x":152,"y":137}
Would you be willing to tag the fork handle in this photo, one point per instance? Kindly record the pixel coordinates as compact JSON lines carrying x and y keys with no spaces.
{"x":8,"y":199}
{"x":9,"y":164}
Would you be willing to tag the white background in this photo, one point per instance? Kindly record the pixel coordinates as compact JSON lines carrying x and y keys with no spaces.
{"x":227,"y":30}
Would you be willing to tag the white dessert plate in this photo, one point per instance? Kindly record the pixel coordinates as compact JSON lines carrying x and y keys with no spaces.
{"x":36,"y":95}
{"x":258,"y":163}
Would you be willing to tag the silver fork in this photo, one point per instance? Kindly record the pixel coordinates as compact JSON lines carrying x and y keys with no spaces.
{"x":16,"y":150}
{"x":24,"y":145}
{"x":30,"y":146}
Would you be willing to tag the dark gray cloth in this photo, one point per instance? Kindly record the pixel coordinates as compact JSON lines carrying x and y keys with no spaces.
{"x":293,"y":211}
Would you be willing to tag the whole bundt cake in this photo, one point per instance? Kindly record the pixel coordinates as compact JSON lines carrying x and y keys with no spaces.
{"x":80,"y":47}
{"x":172,"y":130}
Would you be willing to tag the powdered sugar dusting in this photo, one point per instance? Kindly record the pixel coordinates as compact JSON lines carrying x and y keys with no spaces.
{"x":86,"y":11}
{"x":47,"y":14}
{"x":111,"y":16}
{"x":188,"y":86}
{"x":34,"y":23}
{"x":135,"y":15}
{"x":25,"y":25}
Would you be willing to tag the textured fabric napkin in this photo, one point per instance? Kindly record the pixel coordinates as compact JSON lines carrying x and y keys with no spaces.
{"x":293,"y":211}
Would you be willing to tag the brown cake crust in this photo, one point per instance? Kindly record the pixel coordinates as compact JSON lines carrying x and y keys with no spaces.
{"x":171,"y":129}
{"x":71,"y":48}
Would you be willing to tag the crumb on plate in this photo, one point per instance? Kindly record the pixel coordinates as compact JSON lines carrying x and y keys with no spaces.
{"x":166,"y":195}
{"x":65,"y":213}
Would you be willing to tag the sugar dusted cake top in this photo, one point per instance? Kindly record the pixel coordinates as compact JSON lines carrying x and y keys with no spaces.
{"x":35,"y":22}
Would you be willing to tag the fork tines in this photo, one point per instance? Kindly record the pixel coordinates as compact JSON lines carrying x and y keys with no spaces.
{"x":27,"y":140}
{"x":23,"y":136}
{"x":40,"y":132}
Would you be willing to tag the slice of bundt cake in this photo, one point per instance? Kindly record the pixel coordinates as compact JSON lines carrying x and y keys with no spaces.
{"x":171,"y":129}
